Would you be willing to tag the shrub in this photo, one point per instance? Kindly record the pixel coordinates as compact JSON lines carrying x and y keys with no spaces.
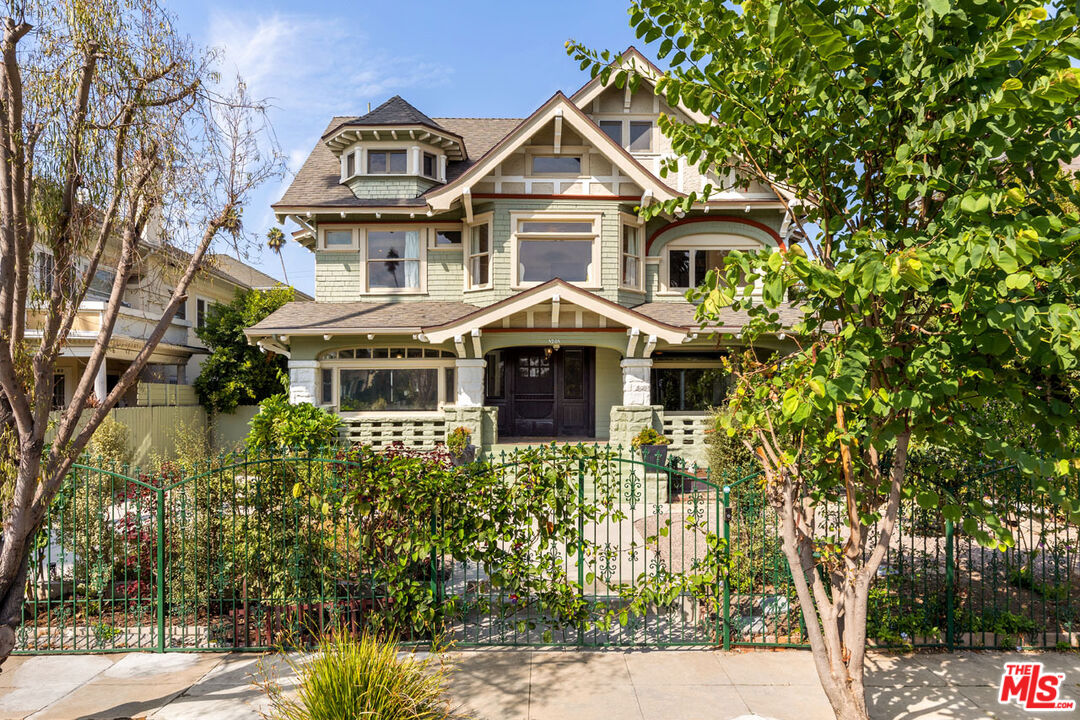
{"x":648,"y":436}
{"x":350,"y":679}
{"x":280,"y":424}
{"x":112,"y":441}
{"x":458,"y":440}
{"x":729,"y":458}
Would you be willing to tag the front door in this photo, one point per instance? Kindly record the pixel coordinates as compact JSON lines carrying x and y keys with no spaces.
{"x":543,"y":392}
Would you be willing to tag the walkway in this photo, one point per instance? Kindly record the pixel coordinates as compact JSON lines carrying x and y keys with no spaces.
{"x":538,"y":685}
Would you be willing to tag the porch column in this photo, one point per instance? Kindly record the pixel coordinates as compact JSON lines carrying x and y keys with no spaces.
{"x":101,"y":383}
{"x":303,"y":376}
{"x":470,"y":381}
{"x":636,"y":383}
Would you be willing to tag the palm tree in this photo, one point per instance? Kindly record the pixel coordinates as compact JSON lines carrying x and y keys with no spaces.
{"x":275,"y":240}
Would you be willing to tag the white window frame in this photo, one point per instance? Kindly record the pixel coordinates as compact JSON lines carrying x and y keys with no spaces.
{"x":468,"y":255}
{"x":624,"y":132}
{"x":353,"y":246}
{"x":533,"y":152}
{"x":698,"y":242}
{"x":208,"y":303}
{"x":594,"y":280}
{"x":433,"y":236}
{"x":402,"y":149}
{"x":336,"y":366}
{"x":36,"y":277}
{"x":421,"y":249}
{"x":635,"y":222}
{"x":62,"y":371}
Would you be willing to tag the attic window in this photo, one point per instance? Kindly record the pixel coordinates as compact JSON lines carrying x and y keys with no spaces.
{"x":556,"y":165}
{"x":387,"y":162}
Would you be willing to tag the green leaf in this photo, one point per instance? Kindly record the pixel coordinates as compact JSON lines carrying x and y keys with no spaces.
{"x":928,"y":499}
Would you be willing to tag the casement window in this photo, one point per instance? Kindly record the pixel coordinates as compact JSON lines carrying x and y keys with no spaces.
{"x":630,"y":267}
{"x":689,"y":389}
{"x":634,"y":135}
{"x":380,"y":380}
{"x":478,"y":262}
{"x":393,"y":259}
{"x":430,"y":165}
{"x":545,"y":248}
{"x":338,"y":240}
{"x":556,"y":165}
{"x":387,"y":162}
{"x":684,"y":263}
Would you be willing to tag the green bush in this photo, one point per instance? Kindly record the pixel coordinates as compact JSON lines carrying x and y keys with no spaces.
{"x":729,"y":459}
{"x":111,"y":441}
{"x":280,"y":424}
{"x":351,"y":679}
{"x":648,"y":436}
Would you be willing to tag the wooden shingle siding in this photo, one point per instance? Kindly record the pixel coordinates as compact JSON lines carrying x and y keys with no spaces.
{"x":338,"y":276}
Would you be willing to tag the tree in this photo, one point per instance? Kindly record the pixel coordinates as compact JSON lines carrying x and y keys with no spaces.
{"x":275,"y":240}
{"x":114,"y":131}
{"x":918,"y":148}
{"x":237,"y":373}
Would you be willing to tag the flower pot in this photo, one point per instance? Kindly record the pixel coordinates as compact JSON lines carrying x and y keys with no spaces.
{"x":468,"y":455}
{"x":654,"y":454}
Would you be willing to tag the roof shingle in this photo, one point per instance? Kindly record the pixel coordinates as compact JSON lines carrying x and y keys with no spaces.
{"x":356,"y":317}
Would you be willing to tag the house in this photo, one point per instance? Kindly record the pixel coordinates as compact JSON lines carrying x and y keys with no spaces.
{"x":494,"y":273}
{"x":174,"y":364}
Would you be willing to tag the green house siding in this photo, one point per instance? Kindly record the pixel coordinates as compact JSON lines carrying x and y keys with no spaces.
{"x":445,"y":276}
{"x":609,"y":390}
{"x":390,"y":188}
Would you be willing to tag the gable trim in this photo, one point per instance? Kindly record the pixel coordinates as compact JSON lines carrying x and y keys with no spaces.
{"x":442,"y":198}
{"x":567,"y":293}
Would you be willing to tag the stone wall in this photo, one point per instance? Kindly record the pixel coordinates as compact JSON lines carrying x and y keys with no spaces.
{"x":628,"y":420}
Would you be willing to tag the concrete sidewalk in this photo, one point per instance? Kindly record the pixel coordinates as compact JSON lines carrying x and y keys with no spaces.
{"x":538,"y":685}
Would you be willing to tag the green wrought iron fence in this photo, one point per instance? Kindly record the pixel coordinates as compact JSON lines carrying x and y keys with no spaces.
{"x":937,"y":587}
{"x":633,"y":550}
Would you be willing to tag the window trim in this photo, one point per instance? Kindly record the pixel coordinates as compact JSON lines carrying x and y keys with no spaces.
{"x":367,"y":161}
{"x":424,"y":154}
{"x":533,"y":153}
{"x":467,"y":254}
{"x":595,"y":279}
{"x":697,"y":242}
{"x":433,"y":236}
{"x":208,"y":303}
{"x":627,"y":220}
{"x":353,"y":246}
{"x":63,"y":373}
{"x":437,"y":364}
{"x":421,"y":289}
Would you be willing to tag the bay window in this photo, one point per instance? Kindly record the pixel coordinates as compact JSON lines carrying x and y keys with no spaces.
{"x":630,"y":268}
{"x":393,"y":259}
{"x":378,"y":380}
{"x":549,"y":248}
{"x":685,"y":265}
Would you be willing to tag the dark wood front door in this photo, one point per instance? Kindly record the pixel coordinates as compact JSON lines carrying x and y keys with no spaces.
{"x":542,"y":392}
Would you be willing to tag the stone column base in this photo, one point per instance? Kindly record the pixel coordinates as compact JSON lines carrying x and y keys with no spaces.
{"x":628,"y":420}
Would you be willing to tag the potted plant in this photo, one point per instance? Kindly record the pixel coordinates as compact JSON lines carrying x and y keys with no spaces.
{"x":461,"y":450}
{"x":652,"y":445}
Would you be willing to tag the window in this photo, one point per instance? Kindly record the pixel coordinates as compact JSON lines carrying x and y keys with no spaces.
{"x":59,"y":389}
{"x":447,"y":238}
{"x":640,"y":137}
{"x":556,"y":165}
{"x":429,"y":165}
{"x":689,"y":389}
{"x":181,"y":311}
{"x":393,"y":259}
{"x":687,"y":268}
{"x":613,"y":129}
{"x":548,"y":249}
{"x":350,"y":165}
{"x":479,"y":261}
{"x":395,"y":352}
{"x":100,"y":286}
{"x":45,"y":266}
{"x":494,"y":375}
{"x":631,"y":257}
{"x":450,"y":385}
{"x":338,"y":239}
{"x":387,"y":162}
{"x":378,"y":389}
{"x":326,"y":386}
{"x":202,"y":308}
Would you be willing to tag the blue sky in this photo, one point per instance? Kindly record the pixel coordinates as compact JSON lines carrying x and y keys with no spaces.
{"x":313,"y":60}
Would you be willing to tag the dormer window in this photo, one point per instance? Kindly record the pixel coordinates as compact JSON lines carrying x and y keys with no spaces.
{"x":387,"y":162}
{"x":430,"y":165}
{"x":350,"y":165}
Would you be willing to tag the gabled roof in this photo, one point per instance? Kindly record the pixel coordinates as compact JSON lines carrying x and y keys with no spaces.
{"x":441,"y":198}
{"x":631,"y":58}
{"x":544,"y":293}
